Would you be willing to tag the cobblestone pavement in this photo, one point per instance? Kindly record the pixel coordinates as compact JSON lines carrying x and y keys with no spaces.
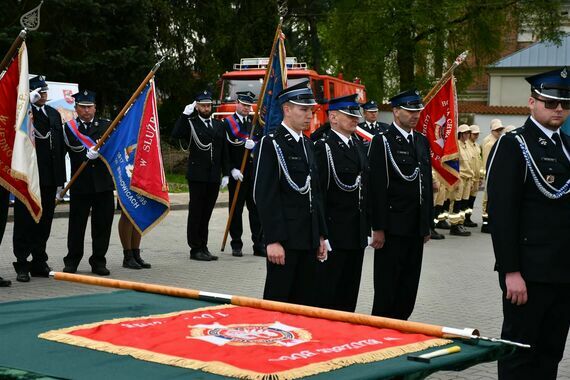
{"x":458,"y":287}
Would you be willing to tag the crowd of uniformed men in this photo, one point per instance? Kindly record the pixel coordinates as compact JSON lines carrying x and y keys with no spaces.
{"x":314,"y":206}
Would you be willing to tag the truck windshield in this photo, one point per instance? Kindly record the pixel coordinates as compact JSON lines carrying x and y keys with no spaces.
{"x":231,"y":86}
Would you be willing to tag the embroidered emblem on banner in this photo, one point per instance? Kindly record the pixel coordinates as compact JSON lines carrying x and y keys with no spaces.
{"x":275,"y":334}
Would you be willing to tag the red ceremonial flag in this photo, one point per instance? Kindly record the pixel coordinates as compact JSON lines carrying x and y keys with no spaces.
{"x":148,"y":172}
{"x":244,"y":342}
{"x":438,"y":122}
{"x":18,"y":163}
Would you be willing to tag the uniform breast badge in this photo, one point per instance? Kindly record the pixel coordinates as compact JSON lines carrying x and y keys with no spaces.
{"x":542,"y":141}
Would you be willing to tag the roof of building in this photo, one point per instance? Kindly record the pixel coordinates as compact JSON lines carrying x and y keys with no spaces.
{"x":480,"y":108}
{"x":539,"y":54}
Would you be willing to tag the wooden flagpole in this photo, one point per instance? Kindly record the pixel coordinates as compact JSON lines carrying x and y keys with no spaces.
{"x":253,"y":124}
{"x":458,"y":61}
{"x":114,"y":124}
{"x":12,"y":51}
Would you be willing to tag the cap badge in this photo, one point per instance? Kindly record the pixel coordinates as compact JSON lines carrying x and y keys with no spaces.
{"x":85,"y":93}
{"x":564,"y":73}
{"x":41,"y":77}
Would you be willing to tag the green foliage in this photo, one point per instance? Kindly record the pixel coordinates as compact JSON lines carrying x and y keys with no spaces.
{"x":109,"y":46}
{"x":394,"y":45}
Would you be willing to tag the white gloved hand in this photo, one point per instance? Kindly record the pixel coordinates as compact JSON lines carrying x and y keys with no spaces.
{"x":35,"y":96}
{"x":189,"y":108}
{"x":249,"y":144}
{"x":92,"y":154}
{"x":58,"y":196}
{"x":225,"y":181}
{"x":236,"y":174}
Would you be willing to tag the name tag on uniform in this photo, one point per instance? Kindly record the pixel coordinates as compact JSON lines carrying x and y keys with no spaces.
{"x":548,"y":159}
{"x":403,"y":152}
{"x":295,"y":158}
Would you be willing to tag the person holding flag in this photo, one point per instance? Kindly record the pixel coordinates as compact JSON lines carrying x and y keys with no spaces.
{"x":30,"y":237}
{"x":92,"y":192}
{"x":131,"y":150}
{"x":238,"y":129}
{"x":288,"y":196}
{"x":208,"y":165}
{"x":401,"y":207}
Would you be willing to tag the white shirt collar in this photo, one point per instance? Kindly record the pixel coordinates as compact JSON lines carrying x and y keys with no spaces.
{"x":293,"y":133}
{"x":240,"y":118}
{"x":204,"y":120}
{"x":86,"y":121}
{"x":546,"y":131}
{"x":342,"y":137}
{"x":403,"y":132}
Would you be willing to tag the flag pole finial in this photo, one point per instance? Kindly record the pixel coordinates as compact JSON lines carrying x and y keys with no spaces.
{"x":31,"y":19}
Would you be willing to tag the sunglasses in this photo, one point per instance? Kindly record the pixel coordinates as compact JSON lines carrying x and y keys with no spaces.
{"x":552,"y":104}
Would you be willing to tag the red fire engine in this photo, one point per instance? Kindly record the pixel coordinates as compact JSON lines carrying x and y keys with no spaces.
{"x":249,"y":73}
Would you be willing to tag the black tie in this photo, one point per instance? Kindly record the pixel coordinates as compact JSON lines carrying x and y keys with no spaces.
{"x":350,"y":145}
{"x":411,"y":140}
{"x":558,"y":142}
{"x":208,"y":123}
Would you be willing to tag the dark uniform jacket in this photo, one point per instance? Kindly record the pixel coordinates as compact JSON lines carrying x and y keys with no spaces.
{"x":203,"y":165}
{"x":398,"y":206}
{"x":347,"y":222}
{"x":95,"y":178}
{"x":236,"y":145}
{"x":50,"y":151}
{"x":531,"y":233}
{"x":287,"y":216}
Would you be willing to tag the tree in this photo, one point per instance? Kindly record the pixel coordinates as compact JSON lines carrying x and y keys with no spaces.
{"x":395,"y":45}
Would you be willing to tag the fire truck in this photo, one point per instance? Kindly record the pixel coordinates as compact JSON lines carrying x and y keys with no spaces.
{"x":249,"y":73}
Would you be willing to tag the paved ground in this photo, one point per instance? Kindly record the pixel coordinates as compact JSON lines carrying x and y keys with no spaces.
{"x":458,"y":287}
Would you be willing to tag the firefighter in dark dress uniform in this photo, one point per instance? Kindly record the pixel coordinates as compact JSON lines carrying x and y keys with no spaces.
{"x":92,"y":192}
{"x":208,"y":166}
{"x":287,"y":195}
{"x":528,"y":181}
{"x":30,"y":238}
{"x":401,"y":203}
{"x":238,"y":128}
{"x":343,"y":165}
{"x":371,"y":123}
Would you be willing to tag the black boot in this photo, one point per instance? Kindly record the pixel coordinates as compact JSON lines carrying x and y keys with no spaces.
{"x":139,"y":260}
{"x":485,"y":226}
{"x":459,"y":230}
{"x":22,"y":271}
{"x":4,"y":283}
{"x":129,"y":261}
{"x":468,"y":222}
{"x":436,"y":235}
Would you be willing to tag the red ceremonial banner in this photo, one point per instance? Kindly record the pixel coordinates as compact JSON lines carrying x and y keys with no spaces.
{"x":438,"y":122}
{"x":148,"y":158}
{"x":15,"y":182}
{"x":245,"y":342}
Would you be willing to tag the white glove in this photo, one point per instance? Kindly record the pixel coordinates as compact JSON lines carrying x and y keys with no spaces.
{"x":58,"y":196}
{"x":225,"y":181}
{"x":35,"y":96}
{"x":189,"y":108}
{"x":249,"y":144}
{"x":92,"y":154}
{"x":236,"y":174}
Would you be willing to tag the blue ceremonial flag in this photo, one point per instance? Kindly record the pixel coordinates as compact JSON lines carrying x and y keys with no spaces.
{"x":132,"y":154}
{"x":275,"y":81}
